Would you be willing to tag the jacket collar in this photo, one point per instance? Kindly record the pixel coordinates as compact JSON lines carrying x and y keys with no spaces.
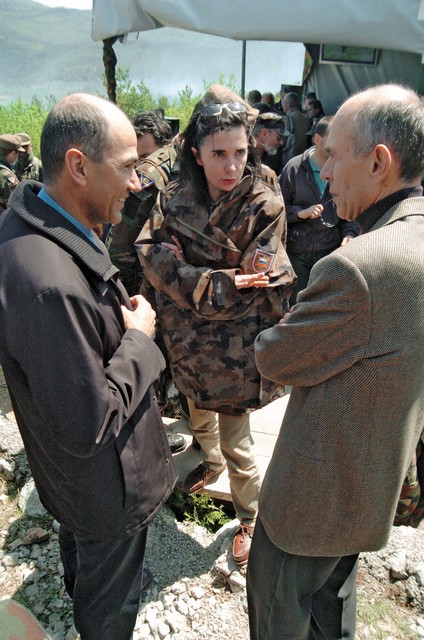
{"x":398,"y":205}
{"x":39,"y":215}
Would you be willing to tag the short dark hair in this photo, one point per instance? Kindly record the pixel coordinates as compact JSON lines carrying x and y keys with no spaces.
{"x":254,"y":96}
{"x":316,"y":105}
{"x":196,"y":131}
{"x":321,"y":127}
{"x":268,"y":98}
{"x":397,"y":123}
{"x":74,"y":122}
{"x":153,"y":122}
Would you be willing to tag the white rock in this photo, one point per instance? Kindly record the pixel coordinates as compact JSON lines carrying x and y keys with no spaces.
{"x":142,"y":633}
{"x":6,"y":470}
{"x":419,"y":573}
{"x":178,"y":588}
{"x":237,"y":582}
{"x":397,"y":566}
{"x":10,"y":560}
{"x":29,"y":501}
{"x":197,"y":593}
{"x":168,"y":599}
{"x":163,"y":630}
{"x":175,"y":621}
{"x":182,"y":607}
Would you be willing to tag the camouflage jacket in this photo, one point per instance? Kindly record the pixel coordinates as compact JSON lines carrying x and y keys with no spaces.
{"x":30,"y":169}
{"x":209,"y":325}
{"x":8,"y":182}
{"x":155,"y":172}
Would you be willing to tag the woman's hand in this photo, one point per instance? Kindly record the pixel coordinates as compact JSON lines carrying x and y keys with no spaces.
{"x":252,"y":280}
{"x":177,"y":249}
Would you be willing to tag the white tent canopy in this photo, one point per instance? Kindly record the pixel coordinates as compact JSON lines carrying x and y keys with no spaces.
{"x":381,"y":24}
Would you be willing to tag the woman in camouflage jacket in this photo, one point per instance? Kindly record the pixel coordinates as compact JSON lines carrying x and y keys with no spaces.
{"x":214,"y":252}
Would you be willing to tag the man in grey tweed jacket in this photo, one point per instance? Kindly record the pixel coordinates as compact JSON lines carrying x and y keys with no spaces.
{"x":352,"y":348}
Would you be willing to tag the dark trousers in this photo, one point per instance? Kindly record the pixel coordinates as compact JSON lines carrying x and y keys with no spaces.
{"x":302,"y":264}
{"x":299,"y":597}
{"x":104,"y":580}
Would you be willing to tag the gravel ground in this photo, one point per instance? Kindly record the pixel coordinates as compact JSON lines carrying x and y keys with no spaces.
{"x":198,"y":593}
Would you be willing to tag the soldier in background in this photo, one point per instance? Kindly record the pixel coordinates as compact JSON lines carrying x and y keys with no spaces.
{"x":152,"y":131}
{"x":10,"y":145}
{"x":154,"y":172}
{"x":27,"y":166}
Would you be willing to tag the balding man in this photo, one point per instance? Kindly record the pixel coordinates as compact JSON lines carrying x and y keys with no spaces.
{"x":353,"y":350}
{"x":79,"y":362}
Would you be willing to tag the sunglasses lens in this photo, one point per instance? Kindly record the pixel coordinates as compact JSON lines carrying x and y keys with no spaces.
{"x":214,"y":110}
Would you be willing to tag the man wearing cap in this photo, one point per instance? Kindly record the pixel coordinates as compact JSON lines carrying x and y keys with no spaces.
{"x":10,"y":145}
{"x":27,"y":166}
{"x":270,"y":134}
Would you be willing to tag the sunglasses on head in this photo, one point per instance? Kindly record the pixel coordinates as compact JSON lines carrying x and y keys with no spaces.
{"x":214,"y":110}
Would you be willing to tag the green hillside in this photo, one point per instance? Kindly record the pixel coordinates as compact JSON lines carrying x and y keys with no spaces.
{"x":45,"y":51}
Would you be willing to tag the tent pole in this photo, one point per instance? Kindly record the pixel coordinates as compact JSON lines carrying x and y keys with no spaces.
{"x":109,"y":61}
{"x":243,"y":68}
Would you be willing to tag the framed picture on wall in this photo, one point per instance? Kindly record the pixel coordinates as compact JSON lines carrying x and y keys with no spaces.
{"x":338,"y":54}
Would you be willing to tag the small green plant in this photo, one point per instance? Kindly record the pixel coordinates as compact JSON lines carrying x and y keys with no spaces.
{"x":200,"y":509}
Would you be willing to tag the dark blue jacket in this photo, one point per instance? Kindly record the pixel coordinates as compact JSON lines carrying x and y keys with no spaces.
{"x":300,"y":191}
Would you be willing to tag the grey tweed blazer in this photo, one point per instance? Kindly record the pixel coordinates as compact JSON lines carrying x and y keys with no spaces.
{"x":353,"y":350}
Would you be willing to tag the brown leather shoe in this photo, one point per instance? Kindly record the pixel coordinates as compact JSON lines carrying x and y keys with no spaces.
{"x":199,"y":477}
{"x":241,"y":543}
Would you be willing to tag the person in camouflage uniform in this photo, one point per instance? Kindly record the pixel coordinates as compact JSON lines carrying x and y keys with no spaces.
{"x":9,"y":147}
{"x":27,"y":166}
{"x":157,"y":155}
{"x":213,"y":250}
{"x":154,"y":172}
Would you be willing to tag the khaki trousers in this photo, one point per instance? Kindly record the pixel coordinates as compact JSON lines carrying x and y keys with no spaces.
{"x":226,"y":439}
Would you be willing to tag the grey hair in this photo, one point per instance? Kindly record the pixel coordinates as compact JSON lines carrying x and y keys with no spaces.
{"x":74,"y":122}
{"x":395,"y":122}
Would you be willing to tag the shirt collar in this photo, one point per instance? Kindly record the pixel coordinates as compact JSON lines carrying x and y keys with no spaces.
{"x":49,"y":200}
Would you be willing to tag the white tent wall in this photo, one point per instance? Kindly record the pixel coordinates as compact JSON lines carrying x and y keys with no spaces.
{"x":385,"y":24}
{"x":333,"y":82}
{"x":396,"y":27}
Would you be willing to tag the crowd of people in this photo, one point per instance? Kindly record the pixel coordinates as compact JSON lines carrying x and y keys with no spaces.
{"x":266,"y":245}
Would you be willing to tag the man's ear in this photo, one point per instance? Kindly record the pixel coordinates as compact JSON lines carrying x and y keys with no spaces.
{"x":197,"y":157}
{"x":76,"y":164}
{"x":382,"y":162}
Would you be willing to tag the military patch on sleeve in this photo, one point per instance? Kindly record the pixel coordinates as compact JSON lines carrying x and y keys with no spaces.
{"x":145,"y":181}
{"x":262,"y":261}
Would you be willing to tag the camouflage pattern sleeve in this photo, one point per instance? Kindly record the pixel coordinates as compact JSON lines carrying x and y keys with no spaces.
{"x":123,"y":235}
{"x":8,"y":182}
{"x":205,"y":282}
{"x":154,"y":172}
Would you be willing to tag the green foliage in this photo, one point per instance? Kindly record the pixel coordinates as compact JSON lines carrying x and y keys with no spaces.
{"x":19,"y":116}
{"x":135,"y":98}
{"x":200,"y":509}
{"x":132,"y":99}
{"x":29,"y":117}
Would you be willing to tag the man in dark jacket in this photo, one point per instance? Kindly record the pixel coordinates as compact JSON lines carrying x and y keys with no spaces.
{"x":313,"y":228}
{"x":79,"y":362}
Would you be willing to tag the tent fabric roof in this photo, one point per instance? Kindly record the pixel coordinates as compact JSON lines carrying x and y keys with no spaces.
{"x":381,"y":24}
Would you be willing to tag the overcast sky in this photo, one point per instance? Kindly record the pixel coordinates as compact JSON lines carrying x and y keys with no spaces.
{"x":69,"y":4}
